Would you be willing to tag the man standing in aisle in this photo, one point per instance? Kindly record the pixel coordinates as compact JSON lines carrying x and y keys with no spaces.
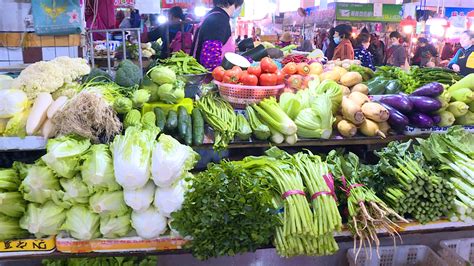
{"x":396,"y":54}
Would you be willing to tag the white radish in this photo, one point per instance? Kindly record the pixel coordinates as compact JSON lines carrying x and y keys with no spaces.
{"x":56,"y":106}
{"x":38,"y":113}
{"x":47,"y":131}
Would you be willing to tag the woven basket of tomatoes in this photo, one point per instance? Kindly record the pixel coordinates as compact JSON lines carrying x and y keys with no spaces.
{"x":243,"y":87}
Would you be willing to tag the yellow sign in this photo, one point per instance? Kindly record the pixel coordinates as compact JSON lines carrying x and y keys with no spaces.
{"x":47,"y":244}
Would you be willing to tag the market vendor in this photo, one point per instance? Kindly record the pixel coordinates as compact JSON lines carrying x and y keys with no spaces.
{"x":214,"y":36}
{"x":463,"y":61}
{"x":344,"y":49}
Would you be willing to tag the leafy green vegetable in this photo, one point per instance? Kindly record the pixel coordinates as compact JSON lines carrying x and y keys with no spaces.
{"x":271,"y":114}
{"x":97,"y":170}
{"x":63,"y":154}
{"x":151,"y":87}
{"x":260,"y":130}
{"x":149,"y":120}
{"x":132,"y":119}
{"x":290,"y":103}
{"x":333,"y":90}
{"x":183,"y":64}
{"x":10,"y":229}
{"x":105,"y":261}
{"x":162,"y":75}
{"x":123,"y":105}
{"x":43,"y":220}
{"x":82,"y":223}
{"x":140,"y":97}
{"x":108,"y":203}
{"x":9,"y":180}
{"x":226,"y":202}
{"x":39,"y":185}
{"x":316,"y":121}
{"x":74,"y":192}
{"x":12,"y":204}
{"x":171,"y":93}
{"x":149,"y":224}
{"x":243,"y":128}
{"x":115,"y":227}
{"x":128,"y":74}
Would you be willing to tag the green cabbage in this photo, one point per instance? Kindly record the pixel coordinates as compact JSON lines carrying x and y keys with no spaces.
{"x":132,"y":119}
{"x":9,"y":180}
{"x":123,"y":105}
{"x":108,"y":203}
{"x":12,"y":102}
{"x":74,"y":191}
{"x":316,"y":121}
{"x":97,"y":170}
{"x":148,"y":120}
{"x":115,"y":227}
{"x":151,"y":87}
{"x":291,"y":104}
{"x":81,"y":223}
{"x":21,"y":169}
{"x":162,"y":75}
{"x":39,"y":184}
{"x":12,"y":204}
{"x":333,"y":90}
{"x":169,"y":93}
{"x":43,"y":220}
{"x":149,"y":224}
{"x":10,"y":229}
{"x":63,"y":154}
{"x":170,"y":160}
{"x":140,"y":97}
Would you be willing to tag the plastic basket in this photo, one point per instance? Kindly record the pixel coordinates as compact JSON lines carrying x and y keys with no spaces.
{"x":240,"y":96}
{"x":458,"y":251}
{"x":396,"y":256}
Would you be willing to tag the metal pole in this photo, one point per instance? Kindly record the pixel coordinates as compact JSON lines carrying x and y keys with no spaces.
{"x":92,"y":48}
{"x":108,"y":52}
{"x":140,"y":52}
{"x":182,"y":35}
{"x":124,"y":46}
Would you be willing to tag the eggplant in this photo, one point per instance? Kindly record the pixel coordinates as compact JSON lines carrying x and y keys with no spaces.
{"x":436,"y":119}
{"x":421,"y":120}
{"x":399,"y":102}
{"x":397,"y":120}
{"x":232,"y":59}
{"x":425,"y":104}
{"x":433,"y":89}
{"x":256,"y":53}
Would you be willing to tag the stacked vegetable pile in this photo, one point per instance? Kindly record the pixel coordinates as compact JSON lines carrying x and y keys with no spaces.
{"x":183,"y":64}
{"x":109,"y":261}
{"x":12,"y":205}
{"x":460,"y":109}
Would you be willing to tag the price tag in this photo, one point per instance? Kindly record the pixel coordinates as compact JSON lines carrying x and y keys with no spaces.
{"x":27,"y":245}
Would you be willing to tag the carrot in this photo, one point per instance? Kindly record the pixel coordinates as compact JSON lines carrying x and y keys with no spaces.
{"x":290,"y":68}
{"x":303,"y":69}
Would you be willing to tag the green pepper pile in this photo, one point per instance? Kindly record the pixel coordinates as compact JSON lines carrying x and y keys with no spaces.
{"x":381,"y":85}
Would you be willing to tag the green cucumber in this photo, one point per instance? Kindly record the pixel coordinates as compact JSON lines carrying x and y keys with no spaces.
{"x":160,"y":118}
{"x":198,"y":127}
{"x":172,"y":121}
{"x":188,"y":138}
{"x":182,"y":122}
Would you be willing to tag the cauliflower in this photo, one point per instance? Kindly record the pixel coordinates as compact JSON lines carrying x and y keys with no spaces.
{"x":50,"y":76}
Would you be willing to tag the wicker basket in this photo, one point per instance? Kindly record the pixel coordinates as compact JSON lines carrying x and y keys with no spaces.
{"x":458,"y":251}
{"x":396,"y":256}
{"x":239,"y":96}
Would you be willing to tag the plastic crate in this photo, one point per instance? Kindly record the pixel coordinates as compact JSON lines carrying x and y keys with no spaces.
{"x":396,"y":256}
{"x":458,"y":251}
{"x":240,"y":96}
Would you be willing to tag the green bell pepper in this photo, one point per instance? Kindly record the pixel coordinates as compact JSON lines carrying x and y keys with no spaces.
{"x":377,"y":86}
{"x":393,"y":87}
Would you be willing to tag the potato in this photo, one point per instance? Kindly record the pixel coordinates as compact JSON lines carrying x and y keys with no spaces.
{"x":342,"y":71}
{"x":330,"y":75}
{"x":362,"y":88}
{"x":345,"y":90}
{"x":351,"y":78}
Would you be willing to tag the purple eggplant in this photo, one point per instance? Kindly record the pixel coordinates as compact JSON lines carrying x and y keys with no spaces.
{"x":433,"y":89}
{"x":399,"y":102}
{"x":436,"y":119}
{"x":425,"y":104}
{"x":396,"y":120}
{"x":421,"y":120}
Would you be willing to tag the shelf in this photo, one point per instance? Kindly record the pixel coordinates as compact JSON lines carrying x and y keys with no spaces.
{"x":344,"y":236}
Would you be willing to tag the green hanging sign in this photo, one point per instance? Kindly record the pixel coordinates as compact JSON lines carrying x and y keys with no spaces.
{"x":369,"y":12}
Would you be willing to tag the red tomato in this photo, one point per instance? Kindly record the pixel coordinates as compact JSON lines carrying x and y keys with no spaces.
{"x":252,"y":80}
{"x":280,"y":77}
{"x":268,"y":66}
{"x":237,"y":70}
{"x":268,"y":79}
{"x":290,"y":68}
{"x":303,"y":69}
{"x":231,"y":76}
{"x":256,"y":70}
{"x":243,"y":77}
{"x":295,"y":82}
{"x":218,"y":73}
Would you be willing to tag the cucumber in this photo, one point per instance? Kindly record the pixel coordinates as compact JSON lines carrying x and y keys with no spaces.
{"x":198,"y":127}
{"x":188,"y":139}
{"x":182,"y":122}
{"x":160,"y":118}
{"x":172,"y":121}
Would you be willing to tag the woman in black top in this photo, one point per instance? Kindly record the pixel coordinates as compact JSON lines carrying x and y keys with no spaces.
{"x":214,"y":36}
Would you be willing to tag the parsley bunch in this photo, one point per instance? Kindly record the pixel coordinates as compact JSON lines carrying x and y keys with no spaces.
{"x":227,"y":211}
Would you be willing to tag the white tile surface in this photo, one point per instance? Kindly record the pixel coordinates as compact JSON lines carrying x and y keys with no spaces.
{"x":73,"y":51}
{"x":15,"y":54}
{"x":62,"y":51}
{"x":49,"y":53}
{"x":3,"y":54}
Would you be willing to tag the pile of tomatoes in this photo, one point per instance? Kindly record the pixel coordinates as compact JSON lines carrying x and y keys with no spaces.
{"x":267,"y":74}
{"x":300,"y":74}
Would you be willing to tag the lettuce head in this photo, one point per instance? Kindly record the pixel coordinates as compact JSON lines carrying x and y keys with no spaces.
{"x":115,"y":227}
{"x":10,"y":229}
{"x":9,"y":180}
{"x":82,"y":223}
{"x":39,"y":185}
{"x":12,"y":204}
{"x":43,"y":220}
{"x":108,"y":203}
{"x":64,"y":153}
{"x":74,"y":191}
{"x":97,"y":170}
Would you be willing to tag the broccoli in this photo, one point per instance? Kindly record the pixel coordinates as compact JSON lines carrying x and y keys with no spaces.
{"x":97,"y":75}
{"x":128,"y":74}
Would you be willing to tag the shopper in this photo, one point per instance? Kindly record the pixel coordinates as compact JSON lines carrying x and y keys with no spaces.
{"x":425,"y":53}
{"x":361,"y":51}
{"x":214,"y":37}
{"x":331,"y":45}
{"x":377,"y":49}
{"x":396,"y":54}
{"x":448,"y":51}
{"x":344,"y":49}
{"x":285,"y":39}
{"x":463,"y":61}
